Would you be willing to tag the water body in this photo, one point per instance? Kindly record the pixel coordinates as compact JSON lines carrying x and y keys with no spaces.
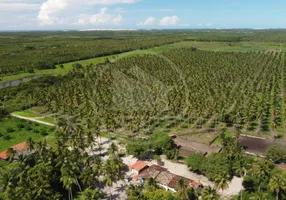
{"x":17,"y":82}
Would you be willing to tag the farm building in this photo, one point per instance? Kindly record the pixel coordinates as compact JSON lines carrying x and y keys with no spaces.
{"x":138,"y":167}
{"x":164,"y":178}
{"x":19,"y":148}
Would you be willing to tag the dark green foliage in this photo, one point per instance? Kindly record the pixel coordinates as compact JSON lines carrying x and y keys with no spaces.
{"x":20,"y":126}
{"x":45,"y":50}
{"x":250,"y":183}
{"x":10,"y":130}
{"x":216,"y":165}
{"x":196,"y":162}
{"x":3,"y":113}
{"x":6,"y":137}
{"x":24,"y":96}
{"x":276,"y":154}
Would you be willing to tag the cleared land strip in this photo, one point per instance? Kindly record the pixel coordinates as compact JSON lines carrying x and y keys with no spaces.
{"x":33,"y":120}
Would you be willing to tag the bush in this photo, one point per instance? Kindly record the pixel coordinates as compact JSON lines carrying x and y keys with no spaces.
{"x":3,"y":113}
{"x":216,"y":165}
{"x":44,"y":133}
{"x":10,"y":130}
{"x":20,"y":126}
{"x":7,"y":137}
{"x":36,"y":131}
{"x":276,"y":154}
{"x":29,"y":128}
{"x":196,"y":162}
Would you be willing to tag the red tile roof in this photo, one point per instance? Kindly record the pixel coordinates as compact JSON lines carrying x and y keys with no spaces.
{"x":139,"y":165}
{"x":195,"y":184}
{"x":282,"y":167}
{"x":18,"y":147}
{"x":3,"y":155}
{"x":178,"y":145}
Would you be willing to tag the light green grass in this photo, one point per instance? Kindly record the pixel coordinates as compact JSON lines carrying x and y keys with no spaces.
{"x":21,"y":134}
{"x":27,"y":113}
{"x":49,"y":120}
{"x":37,"y":113}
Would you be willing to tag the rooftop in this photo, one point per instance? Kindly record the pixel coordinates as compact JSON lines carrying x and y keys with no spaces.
{"x":139,"y":165}
{"x":282,"y":167}
{"x":175,"y":179}
{"x":18,"y":147}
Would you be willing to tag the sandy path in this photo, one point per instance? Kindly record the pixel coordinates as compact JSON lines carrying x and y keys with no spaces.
{"x":33,"y":120}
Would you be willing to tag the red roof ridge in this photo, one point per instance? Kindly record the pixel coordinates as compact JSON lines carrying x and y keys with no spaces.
{"x":139,"y":165}
{"x":18,"y":147}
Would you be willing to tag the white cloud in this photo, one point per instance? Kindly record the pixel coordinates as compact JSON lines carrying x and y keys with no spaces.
{"x":101,"y":18}
{"x":64,"y":11}
{"x":206,"y":25}
{"x":17,"y":6}
{"x":149,"y":21}
{"x":49,"y":10}
{"x":169,"y":21}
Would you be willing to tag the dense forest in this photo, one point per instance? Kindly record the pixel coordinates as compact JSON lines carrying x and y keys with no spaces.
{"x":44,"y":50}
{"x":202,"y":89}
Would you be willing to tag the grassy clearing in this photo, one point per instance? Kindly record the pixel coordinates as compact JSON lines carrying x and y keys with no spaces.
{"x":27,"y":113}
{"x":14,"y":131}
{"x":38,"y":113}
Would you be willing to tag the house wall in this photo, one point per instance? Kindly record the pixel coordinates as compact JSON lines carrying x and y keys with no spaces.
{"x":167,"y":188}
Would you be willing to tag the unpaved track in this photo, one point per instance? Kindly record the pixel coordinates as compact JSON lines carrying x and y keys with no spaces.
{"x":34,"y":120}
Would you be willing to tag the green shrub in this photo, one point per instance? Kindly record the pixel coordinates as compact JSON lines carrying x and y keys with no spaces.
{"x":7,"y":137}
{"x":20,"y":126}
{"x":36,"y":131}
{"x":10,"y":130}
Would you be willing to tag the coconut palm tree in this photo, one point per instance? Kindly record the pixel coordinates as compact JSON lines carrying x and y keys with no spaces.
{"x":209,"y":193}
{"x":11,"y":153}
{"x":222,"y":182}
{"x":112,"y":149}
{"x":151,"y":184}
{"x":90,"y":194}
{"x":259,"y":196}
{"x":68,"y":181}
{"x":277,"y":184}
{"x":182,"y":189}
{"x":31,"y":144}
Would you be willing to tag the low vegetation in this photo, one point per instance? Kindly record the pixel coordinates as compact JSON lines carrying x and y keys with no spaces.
{"x":14,"y":131}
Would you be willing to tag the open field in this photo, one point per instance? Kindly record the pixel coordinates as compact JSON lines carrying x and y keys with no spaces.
{"x":37,"y":113}
{"x":14,"y":131}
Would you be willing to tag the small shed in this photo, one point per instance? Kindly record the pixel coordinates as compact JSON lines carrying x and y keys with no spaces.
{"x":138,"y":167}
{"x":19,"y":148}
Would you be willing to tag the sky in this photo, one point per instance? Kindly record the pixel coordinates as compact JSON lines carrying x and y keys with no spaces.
{"x":141,"y":14}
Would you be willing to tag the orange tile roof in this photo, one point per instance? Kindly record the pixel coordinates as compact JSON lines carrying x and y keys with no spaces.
{"x":172,"y":135}
{"x":139,"y":165}
{"x":18,"y":147}
{"x":282,"y":167}
{"x":195,"y":184}
{"x":178,"y":145}
{"x":3,"y":155}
